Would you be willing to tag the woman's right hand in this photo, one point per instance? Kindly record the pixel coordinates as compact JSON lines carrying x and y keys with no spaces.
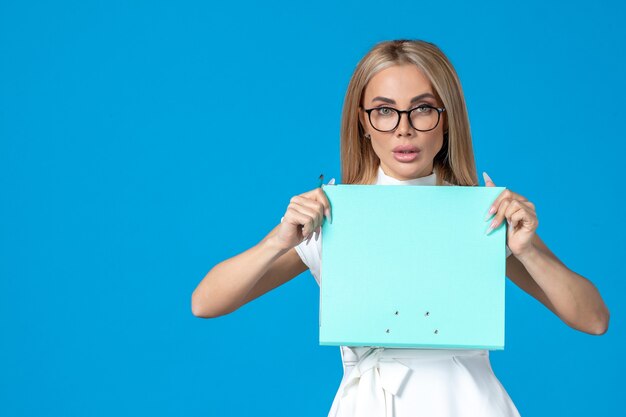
{"x":305,"y":215}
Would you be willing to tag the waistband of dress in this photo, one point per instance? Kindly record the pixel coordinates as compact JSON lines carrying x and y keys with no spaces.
{"x":355,"y":353}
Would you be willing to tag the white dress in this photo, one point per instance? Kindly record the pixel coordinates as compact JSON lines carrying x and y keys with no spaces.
{"x":386,"y":382}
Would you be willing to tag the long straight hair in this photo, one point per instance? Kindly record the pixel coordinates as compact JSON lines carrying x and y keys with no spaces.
{"x":454,"y":163}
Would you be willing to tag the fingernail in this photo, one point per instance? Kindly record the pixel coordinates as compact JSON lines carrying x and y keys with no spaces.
{"x":491,"y":226}
{"x":490,"y":213}
{"x":486,"y":177}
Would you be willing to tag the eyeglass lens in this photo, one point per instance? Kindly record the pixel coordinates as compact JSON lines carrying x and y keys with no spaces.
{"x":422,"y":118}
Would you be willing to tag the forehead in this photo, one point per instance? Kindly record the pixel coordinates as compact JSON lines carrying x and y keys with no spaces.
{"x":398,"y":82}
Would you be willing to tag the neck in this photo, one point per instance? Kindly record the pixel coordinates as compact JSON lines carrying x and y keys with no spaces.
{"x":386,"y":179}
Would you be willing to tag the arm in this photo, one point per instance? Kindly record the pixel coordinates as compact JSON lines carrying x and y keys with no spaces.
{"x":536,"y":270}
{"x":268,"y":264}
{"x":572,"y":297}
{"x":244,"y":277}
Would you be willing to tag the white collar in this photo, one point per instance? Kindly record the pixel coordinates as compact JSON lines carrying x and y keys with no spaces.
{"x":384,"y":179}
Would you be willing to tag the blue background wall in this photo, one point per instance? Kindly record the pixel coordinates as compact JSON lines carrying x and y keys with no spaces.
{"x":128,"y":169}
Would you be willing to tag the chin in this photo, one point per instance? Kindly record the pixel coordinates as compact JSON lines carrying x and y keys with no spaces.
{"x":407,"y":166}
{"x":409,"y":169}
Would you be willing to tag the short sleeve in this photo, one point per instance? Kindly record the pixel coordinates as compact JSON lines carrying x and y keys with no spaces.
{"x":311,"y":254}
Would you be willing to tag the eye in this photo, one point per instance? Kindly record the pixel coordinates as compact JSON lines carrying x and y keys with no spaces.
{"x":423,"y":109}
{"x":384,"y":111}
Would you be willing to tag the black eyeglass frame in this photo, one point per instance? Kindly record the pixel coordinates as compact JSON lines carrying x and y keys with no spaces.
{"x":408,"y":113}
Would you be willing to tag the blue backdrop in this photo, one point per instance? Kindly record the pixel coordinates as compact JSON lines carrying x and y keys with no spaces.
{"x":141,"y":144}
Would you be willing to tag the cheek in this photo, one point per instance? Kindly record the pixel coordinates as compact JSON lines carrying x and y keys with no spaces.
{"x":379,"y":147}
{"x":435,"y":144}
{"x":375,"y":146}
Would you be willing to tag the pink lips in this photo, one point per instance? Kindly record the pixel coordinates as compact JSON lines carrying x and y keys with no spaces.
{"x":405,"y":153}
{"x":409,"y":148}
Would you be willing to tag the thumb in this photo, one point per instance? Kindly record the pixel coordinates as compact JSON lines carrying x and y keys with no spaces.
{"x":488,"y":181}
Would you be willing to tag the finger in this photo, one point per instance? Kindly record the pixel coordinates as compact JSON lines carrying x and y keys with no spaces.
{"x":524,"y":216}
{"x":297,"y":215}
{"x":499,"y":215}
{"x":296,"y":218}
{"x":327,"y":210}
{"x":516,"y":218}
{"x":326,"y":213}
{"x":530,"y":207}
{"x":318,"y":194}
{"x":506,"y":194}
{"x":308,"y":217}
{"x":515,"y":206}
{"x":518,"y":211}
{"x":308,"y":202}
{"x":317,"y":206}
{"x":488,"y":181}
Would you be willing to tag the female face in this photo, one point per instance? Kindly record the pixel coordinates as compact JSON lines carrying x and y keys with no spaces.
{"x":402,"y":87}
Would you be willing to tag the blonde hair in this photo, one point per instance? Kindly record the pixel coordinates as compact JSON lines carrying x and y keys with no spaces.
{"x":454,"y":163}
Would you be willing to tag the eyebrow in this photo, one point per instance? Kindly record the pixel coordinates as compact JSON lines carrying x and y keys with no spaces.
{"x":413,"y":100}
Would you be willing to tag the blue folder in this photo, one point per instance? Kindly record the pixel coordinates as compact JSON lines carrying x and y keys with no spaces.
{"x":411,"y":266}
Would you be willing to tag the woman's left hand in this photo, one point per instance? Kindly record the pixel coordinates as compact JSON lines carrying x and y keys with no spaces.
{"x":520,"y":215}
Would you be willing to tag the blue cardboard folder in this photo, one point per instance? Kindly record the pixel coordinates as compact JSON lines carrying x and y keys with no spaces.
{"x":411,"y":266}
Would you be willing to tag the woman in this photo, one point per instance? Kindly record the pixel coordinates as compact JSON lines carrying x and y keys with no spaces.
{"x":405,"y":123}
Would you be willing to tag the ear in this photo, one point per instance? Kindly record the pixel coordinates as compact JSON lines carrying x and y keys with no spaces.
{"x":362,"y":119}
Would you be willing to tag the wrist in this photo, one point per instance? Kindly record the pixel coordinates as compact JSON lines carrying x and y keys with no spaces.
{"x":271,"y":245}
{"x":529,"y":254}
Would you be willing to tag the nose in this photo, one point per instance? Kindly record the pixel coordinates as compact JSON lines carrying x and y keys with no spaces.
{"x":404,"y":127}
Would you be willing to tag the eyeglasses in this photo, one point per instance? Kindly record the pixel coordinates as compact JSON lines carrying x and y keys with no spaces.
{"x":422,"y":118}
